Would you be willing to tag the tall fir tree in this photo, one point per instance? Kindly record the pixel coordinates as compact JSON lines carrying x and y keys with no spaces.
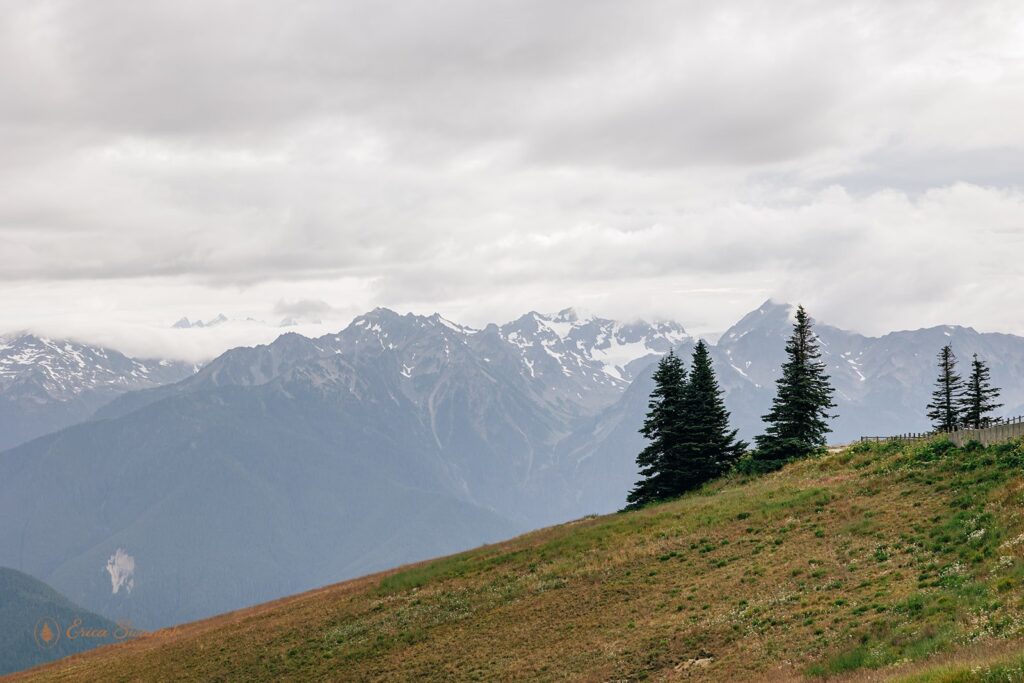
{"x":658,"y":460}
{"x":944,"y":410}
{"x":797,"y":424}
{"x":978,"y":400}
{"x":707,"y":448}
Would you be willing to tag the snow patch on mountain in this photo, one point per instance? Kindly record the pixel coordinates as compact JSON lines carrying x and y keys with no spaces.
{"x":586,"y":359}
{"x":618,"y":354}
{"x":62,"y":369}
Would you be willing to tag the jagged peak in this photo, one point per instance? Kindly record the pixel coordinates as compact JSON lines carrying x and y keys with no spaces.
{"x":439,"y":319}
{"x":529,"y":319}
{"x":184,"y":323}
{"x":947,"y":330}
{"x":771,"y":305}
{"x":377,"y":315}
{"x":387,"y":315}
{"x":384,"y":311}
{"x":769,"y":315}
{"x":291,"y":337}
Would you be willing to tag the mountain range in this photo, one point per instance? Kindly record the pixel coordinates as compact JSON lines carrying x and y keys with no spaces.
{"x":186,"y":324}
{"x":277,"y":468}
{"x":48,"y":384}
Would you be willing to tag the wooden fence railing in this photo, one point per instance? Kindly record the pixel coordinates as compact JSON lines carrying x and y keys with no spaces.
{"x":910,"y":436}
{"x":962,"y":434}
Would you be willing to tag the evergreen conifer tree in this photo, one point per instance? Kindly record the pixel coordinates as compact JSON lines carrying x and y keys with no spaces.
{"x":707,"y":448}
{"x":944,"y":410}
{"x":979,"y":397}
{"x":657,"y":460}
{"x":798,"y":420}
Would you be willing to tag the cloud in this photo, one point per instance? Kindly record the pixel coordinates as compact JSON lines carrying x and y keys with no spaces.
{"x":307,"y":310}
{"x":476,"y":158}
{"x":872,"y":263}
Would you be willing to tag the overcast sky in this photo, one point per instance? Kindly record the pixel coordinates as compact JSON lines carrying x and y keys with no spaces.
{"x":315,"y":159}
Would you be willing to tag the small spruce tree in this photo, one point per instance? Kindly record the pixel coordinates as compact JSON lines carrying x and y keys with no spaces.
{"x":707,"y":448}
{"x":797,"y":424}
{"x":944,"y":410}
{"x":658,"y":460}
{"x":978,"y":400}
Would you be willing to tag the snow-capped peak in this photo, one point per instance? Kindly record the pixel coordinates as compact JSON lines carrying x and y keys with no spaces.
{"x":601,"y":350}
{"x":59,"y":369}
{"x":462,"y":329}
{"x":770,"y":319}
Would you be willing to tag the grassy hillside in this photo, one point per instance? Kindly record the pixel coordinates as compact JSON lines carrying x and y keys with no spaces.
{"x":852,"y":564}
